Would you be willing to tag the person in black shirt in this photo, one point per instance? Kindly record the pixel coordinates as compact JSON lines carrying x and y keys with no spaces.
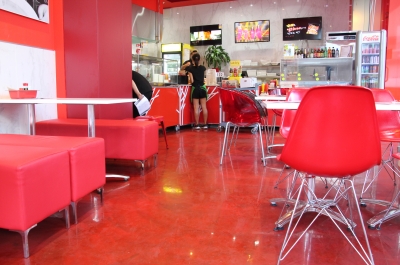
{"x":140,"y":87}
{"x":199,"y":91}
{"x":186,"y":64}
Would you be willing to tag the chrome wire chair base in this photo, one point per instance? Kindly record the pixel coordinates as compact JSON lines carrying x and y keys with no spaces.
{"x":385,"y":164}
{"x":386,"y":215}
{"x":226,"y":147}
{"x":392,"y":210}
{"x":392,"y":207}
{"x":341,"y":190}
{"x":312,"y":204}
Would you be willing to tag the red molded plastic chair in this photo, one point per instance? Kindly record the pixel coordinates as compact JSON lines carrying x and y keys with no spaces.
{"x":244,"y":111}
{"x":389,"y":127}
{"x":334,"y":135}
{"x":160,"y":121}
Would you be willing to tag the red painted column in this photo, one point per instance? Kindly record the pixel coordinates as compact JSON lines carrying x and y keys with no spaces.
{"x":98,"y":50}
{"x":393,"y":50}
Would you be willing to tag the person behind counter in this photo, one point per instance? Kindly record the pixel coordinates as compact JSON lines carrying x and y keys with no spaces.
{"x":186,"y":64}
{"x":140,"y":87}
{"x":198,"y":93}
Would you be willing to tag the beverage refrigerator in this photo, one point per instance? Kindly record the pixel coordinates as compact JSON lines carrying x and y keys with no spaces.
{"x":371,"y":58}
{"x":178,"y":52}
{"x":368,"y":49}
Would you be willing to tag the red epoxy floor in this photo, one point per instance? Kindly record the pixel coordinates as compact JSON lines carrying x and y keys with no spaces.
{"x":191,"y":210}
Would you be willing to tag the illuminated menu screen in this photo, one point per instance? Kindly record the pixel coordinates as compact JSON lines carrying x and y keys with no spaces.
{"x":252,"y":31}
{"x":206,"y":35}
{"x":305,"y":28}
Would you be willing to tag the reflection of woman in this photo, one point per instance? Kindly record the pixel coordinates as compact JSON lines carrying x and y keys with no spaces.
{"x":252,"y":33}
{"x":239,"y":33}
{"x":258,"y":32}
{"x":245,"y":35}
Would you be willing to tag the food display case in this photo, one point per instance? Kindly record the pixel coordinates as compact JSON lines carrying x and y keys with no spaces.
{"x":153,"y":69}
{"x":311,"y":72}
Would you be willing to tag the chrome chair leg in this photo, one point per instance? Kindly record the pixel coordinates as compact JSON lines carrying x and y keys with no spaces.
{"x":224,"y":145}
{"x":386,"y":162}
{"x":25,"y":243}
{"x":322,"y":206}
{"x":261,"y":144}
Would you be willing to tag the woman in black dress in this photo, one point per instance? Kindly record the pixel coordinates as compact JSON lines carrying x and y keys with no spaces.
{"x":198,"y":94}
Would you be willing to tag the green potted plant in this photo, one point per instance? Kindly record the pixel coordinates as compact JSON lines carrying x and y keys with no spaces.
{"x":216,"y":56}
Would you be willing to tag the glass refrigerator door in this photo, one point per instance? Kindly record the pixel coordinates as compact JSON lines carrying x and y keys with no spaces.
{"x":172,"y":67}
{"x":370,"y":61}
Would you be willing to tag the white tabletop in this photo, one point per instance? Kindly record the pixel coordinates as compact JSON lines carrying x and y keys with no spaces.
{"x":271,"y":97}
{"x":295,"y":105}
{"x":85,"y":101}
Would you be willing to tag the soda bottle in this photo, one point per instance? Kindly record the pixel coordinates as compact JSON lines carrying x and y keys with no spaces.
{"x":333,"y":53}
{"x":337,"y":52}
{"x":376,"y":48}
{"x":329,"y":52}
{"x":312,"y":53}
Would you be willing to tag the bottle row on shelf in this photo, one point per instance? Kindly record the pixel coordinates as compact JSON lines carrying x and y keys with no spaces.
{"x":370,"y":59}
{"x":370,"y":82}
{"x":369,"y":69}
{"x":370,"y":48}
{"x":317,"y":53}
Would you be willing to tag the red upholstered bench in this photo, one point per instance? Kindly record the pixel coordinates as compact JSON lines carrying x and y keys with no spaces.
{"x":35,"y":183}
{"x":159,"y":120}
{"x":124,"y":139}
{"x":86,"y":155}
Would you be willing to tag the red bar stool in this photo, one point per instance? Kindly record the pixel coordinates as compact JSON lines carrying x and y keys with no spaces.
{"x":159,"y":120}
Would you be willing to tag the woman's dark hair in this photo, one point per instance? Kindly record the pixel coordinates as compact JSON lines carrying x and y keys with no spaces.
{"x":196,"y":59}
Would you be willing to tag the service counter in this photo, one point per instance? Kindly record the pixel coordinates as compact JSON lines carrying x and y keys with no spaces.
{"x":173,"y":102}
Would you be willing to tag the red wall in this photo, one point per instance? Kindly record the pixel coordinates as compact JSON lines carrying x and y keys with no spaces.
{"x":393,"y":49}
{"x":21,"y":30}
{"x":98,"y":53}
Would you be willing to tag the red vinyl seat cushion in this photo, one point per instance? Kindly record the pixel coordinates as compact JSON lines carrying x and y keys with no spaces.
{"x":86,"y":154}
{"x":124,"y":139}
{"x":35,"y":183}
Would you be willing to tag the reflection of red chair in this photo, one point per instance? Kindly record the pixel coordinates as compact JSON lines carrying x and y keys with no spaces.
{"x":244,"y":111}
{"x":334,"y":135}
{"x":277,"y":113}
{"x":160,"y":121}
{"x":295,"y":95}
{"x":389,"y":126}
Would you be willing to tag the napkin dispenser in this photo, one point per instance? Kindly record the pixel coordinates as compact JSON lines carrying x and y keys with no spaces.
{"x":248,"y":82}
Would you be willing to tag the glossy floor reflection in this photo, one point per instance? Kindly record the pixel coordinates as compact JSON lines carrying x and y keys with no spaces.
{"x":191,"y":210}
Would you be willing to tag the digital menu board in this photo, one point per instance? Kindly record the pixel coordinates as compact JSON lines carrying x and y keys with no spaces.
{"x":304,"y":28}
{"x":206,"y":35}
{"x":252,"y":31}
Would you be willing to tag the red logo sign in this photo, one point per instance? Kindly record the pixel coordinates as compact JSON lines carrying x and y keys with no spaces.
{"x":371,"y":38}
